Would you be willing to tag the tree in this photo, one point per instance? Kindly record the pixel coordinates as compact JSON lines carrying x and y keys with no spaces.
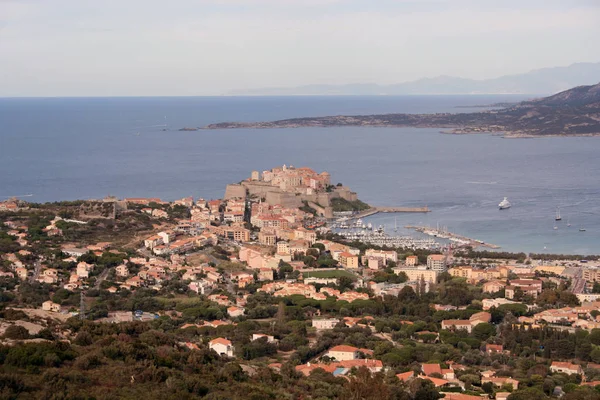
{"x":595,"y":355}
{"x":284,"y":269}
{"x":16,"y":332}
{"x":345,"y":283}
{"x":488,"y":387}
{"x":365,"y":386}
{"x":319,"y":246}
{"x":528,"y":394}
{"x":483,"y":331}
{"x":582,"y":393}
{"x":424,"y":390}
{"x":281,"y":313}
{"x":595,"y":337}
{"x":407,"y":295}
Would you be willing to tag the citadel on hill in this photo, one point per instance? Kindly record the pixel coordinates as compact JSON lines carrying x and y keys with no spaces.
{"x":291,"y":187}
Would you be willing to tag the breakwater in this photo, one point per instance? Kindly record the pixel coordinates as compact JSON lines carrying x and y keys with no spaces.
{"x":375,"y":210}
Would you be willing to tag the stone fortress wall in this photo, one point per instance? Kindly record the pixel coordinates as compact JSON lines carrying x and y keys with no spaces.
{"x":274,"y":195}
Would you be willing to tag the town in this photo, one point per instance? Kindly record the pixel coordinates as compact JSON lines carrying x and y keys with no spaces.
{"x":255,"y":295}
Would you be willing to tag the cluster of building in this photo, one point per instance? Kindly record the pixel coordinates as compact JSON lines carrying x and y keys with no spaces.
{"x":296,"y":180}
{"x":172,"y":242}
{"x":436,"y":264}
{"x":284,"y":289}
{"x":581,"y":317}
{"x":9,"y":205}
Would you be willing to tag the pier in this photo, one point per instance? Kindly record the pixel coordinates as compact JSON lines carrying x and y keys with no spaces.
{"x":453,"y":237}
{"x":375,"y":210}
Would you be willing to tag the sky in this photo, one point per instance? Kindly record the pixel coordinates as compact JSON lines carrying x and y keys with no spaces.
{"x":210,"y":47}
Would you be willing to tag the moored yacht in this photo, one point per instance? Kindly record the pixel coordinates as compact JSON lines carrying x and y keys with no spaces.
{"x":504,"y":204}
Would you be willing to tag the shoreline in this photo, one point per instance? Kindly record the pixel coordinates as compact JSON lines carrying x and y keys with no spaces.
{"x":447,"y":130}
{"x":569,"y":113}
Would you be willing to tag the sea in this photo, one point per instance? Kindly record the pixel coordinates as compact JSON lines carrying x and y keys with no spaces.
{"x":54,"y":149}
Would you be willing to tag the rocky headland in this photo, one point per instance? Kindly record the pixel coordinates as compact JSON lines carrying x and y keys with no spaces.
{"x":574,"y":112}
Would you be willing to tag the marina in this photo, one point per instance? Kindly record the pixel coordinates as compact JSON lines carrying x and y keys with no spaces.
{"x":378,"y":237}
{"x":352,"y":227}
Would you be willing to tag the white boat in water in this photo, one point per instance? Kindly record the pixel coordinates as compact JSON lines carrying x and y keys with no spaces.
{"x":504,"y":204}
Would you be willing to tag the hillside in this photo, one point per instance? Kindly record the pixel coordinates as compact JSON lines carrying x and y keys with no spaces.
{"x":587,"y":96}
{"x":540,"y":81}
{"x":573,"y":112}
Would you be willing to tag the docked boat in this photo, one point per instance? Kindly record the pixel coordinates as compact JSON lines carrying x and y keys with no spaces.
{"x":504,"y":204}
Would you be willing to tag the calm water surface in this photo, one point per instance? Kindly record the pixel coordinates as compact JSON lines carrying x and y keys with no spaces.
{"x":59,"y":149}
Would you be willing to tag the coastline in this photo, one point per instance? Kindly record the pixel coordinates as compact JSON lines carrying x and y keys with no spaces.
{"x":572,"y":113}
{"x":448,"y":130}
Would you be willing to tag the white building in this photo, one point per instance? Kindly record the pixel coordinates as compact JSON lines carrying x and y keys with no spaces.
{"x":436,"y":262}
{"x":270,"y":339}
{"x":221,"y":346}
{"x":383,"y":254}
{"x":329,"y":323}
{"x":343,"y":353}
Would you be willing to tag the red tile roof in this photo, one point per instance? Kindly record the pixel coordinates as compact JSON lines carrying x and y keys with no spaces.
{"x":344,"y":348}
{"x":429,"y":369}
{"x":405,"y":375}
{"x":222,"y":341}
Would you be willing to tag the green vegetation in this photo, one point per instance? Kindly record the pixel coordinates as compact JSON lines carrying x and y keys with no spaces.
{"x":339,"y":204}
{"x":308,"y":209}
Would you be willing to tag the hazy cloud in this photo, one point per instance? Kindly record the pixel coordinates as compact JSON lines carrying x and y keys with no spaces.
{"x":153,"y":47}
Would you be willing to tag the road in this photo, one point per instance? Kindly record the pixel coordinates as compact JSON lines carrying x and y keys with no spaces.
{"x":578,"y":285}
{"x":577,"y":282}
{"x":36,"y":271}
{"x":101,"y":278}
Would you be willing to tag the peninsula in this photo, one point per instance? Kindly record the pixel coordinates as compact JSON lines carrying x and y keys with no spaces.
{"x":574,"y":112}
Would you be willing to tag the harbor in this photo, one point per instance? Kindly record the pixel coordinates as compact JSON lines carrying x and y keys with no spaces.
{"x":355,"y":229}
{"x":380,"y":238}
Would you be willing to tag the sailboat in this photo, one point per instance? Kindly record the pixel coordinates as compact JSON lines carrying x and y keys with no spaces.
{"x":568,"y":223}
{"x":558,"y":217}
{"x":396,"y":224}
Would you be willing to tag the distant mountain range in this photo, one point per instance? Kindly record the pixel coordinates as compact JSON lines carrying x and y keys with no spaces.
{"x":539,"y":81}
{"x":573,"y":112}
